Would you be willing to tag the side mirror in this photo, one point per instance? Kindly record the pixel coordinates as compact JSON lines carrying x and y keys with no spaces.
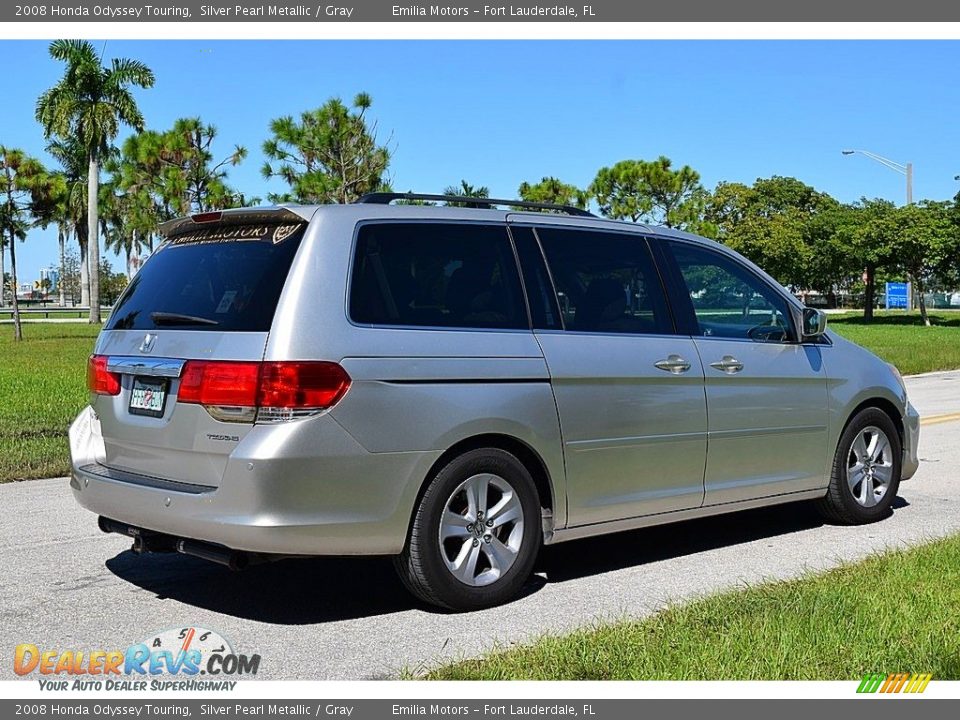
{"x":814,"y":323}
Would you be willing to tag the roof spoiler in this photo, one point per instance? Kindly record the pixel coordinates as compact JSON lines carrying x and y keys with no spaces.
{"x":236,"y":216}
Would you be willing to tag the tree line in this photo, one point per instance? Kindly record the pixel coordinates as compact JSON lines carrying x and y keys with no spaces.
{"x":806,"y":239}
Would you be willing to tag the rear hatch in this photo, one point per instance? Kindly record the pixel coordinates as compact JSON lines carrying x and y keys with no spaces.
{"x":206,"y":298}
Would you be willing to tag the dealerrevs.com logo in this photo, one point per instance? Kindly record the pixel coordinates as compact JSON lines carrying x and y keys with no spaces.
{"x":190,"y":658}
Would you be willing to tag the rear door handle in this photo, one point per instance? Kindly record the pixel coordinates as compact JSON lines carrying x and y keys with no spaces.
{"x":729,"y":364}
{"x":673,"y":364}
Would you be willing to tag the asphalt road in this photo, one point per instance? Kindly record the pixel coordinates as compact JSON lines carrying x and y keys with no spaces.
{"x":64,"y":584}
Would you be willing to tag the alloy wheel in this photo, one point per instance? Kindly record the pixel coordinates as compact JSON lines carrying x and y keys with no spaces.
{"x":481,"y":529}
{"x":870,"y":466}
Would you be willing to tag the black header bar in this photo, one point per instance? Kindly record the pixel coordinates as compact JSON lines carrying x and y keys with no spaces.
{"x":618,"y":11}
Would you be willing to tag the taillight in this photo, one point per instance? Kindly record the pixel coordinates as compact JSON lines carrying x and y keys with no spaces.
{"x":302,"y":384}
{"x":272,"y":391}
{"x":99,"y":379}
{"x":208,"y":382}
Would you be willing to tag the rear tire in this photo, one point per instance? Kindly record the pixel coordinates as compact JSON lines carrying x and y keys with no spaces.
{"x":865,"y":475}
{"x":475,"y":534}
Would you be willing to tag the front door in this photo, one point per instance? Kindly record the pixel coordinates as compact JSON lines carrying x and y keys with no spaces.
{"x":766,"y":393}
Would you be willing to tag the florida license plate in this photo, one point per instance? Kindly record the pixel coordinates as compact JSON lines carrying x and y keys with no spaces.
{"x":148,"y":396}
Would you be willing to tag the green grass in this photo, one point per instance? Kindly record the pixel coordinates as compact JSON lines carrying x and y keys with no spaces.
{"x":42,"y":388}
{"x":901,"y":339}
{"x":892,"y":612}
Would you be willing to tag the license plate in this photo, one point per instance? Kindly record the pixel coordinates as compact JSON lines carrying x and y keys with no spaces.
{"x":148,"y":396}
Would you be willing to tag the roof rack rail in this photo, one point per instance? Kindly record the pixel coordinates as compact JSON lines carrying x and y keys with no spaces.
{"x":385,"y":198}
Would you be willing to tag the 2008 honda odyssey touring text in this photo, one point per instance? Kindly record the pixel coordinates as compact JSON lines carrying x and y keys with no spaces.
{"x":457,"y":386}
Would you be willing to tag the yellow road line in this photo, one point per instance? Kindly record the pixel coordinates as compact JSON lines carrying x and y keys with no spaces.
{"x":935,"y":419}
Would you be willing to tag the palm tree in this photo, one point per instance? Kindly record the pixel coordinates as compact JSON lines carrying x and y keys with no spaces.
{"x":50,"y":196}
{"x":179,"y":169}
{"x":71,"y":215}
{"x":89,"y":103}
{"x":126,"y":223}
{"x":14,"y":228}
{"x":465,"y":189}
{"x":17,"y":170}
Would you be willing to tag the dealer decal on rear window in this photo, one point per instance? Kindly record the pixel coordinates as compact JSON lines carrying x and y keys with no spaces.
{"x":264,"y":233}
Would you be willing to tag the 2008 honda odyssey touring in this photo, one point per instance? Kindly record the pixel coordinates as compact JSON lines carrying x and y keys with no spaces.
{"x":457,"y":386}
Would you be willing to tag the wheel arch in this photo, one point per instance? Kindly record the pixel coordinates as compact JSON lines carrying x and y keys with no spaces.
{"x":882,"y":404}
{"x":529,"y":457}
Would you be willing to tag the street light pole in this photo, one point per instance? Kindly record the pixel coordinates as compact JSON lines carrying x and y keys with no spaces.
{"x":906,"y":170}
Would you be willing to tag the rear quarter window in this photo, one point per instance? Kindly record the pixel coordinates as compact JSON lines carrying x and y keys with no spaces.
{"x":436,"y":275}
{"x":220,"y":278}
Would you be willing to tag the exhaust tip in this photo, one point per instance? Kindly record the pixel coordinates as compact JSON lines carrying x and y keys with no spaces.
{"x":233,"y":559}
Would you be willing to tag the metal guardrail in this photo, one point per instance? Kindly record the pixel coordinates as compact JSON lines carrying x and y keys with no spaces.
{"x":6,"y":312}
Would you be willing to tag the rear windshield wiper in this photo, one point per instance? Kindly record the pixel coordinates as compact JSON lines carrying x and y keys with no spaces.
{"x":167,"y":318}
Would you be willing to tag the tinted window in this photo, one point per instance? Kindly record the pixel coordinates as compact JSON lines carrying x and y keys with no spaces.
{"x":544,"y":311}
{"x":605,"y":282}
{"x":219,"y":278}
{"x":436,"y":275}
{"x":728,"y":300}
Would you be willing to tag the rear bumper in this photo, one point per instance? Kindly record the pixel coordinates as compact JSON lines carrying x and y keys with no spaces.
{"x":911,"y":441}
{"x":301,"y":488}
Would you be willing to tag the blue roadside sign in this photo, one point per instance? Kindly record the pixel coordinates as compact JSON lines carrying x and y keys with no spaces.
{"x":896,"y":295}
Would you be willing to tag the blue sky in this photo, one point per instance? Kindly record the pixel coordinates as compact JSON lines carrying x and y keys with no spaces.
{"x":498,"y":113}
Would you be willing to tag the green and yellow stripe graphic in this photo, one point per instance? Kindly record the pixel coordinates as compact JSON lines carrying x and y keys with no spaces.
{"x":894,"y":683}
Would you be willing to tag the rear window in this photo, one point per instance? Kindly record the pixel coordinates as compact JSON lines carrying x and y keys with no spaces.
{"x":219,"y":278}
{"x":436,"y":275}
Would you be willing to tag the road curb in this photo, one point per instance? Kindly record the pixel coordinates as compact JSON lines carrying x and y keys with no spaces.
{"x":933,"y":373}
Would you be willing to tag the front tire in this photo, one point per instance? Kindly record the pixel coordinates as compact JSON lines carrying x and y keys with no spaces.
{"x":475,"y":534}
{"x":866,"y":470}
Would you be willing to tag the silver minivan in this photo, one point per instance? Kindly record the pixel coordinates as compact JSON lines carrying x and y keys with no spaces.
{"x":457,"y":386}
